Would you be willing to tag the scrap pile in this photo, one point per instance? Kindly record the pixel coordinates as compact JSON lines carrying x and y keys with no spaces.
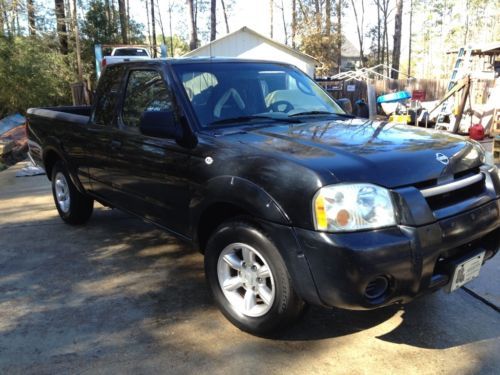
{"x":13,"y":140}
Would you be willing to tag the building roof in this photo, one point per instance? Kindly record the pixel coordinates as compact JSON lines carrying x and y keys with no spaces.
{"x":492,"y":48}
{"x":349,"y":50}
{"x":246,"y":29}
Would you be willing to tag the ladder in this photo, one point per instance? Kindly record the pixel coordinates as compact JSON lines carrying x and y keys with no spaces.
{"x":460,"y":68}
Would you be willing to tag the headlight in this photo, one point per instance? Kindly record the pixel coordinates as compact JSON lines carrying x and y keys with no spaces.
{"x":351,"y":207}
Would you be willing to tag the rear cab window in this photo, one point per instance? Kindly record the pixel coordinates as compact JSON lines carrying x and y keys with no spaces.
{"x":107,"y":95}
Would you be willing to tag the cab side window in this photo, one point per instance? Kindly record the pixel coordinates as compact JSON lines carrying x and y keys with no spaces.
{"x":108,"y":93}
{"x":146,"y":92}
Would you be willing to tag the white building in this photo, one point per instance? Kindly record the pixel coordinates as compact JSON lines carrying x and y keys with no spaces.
{"x":249,"y":44}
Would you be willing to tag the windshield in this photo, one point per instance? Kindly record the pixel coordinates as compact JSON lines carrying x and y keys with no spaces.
{"x":220,"y":92}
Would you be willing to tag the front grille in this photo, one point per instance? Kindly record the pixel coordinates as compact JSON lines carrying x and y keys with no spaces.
{"x":456,"y":196}
{"x":464,"y":185}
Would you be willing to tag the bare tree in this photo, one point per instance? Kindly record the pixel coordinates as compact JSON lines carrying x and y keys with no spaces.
{"x":294,"y":22}
{"x":160,"y":20}
{"x":285,"y":30}
{"x":123,"y":20}
{"x":2,"y":21}
{"x":377,"y":4}
{"x":74,"y":20}
{"x":328,"y":17}
{"x":213,"y":19}
{"x":193,"y":35}
{"x":31,"y":17}
{"x":410,"y":39}
{"x":359,"y":15}
{"x":107,"y":8}
{"x":396,"y":49}
{"x":317,"y":15}
{"x":271,"y":21}
{"x":62,"y":31}
{"x":339,"y":33}
{"x":148,"y":21}
{"x":153,"y":27}
{"x":225,"y":15}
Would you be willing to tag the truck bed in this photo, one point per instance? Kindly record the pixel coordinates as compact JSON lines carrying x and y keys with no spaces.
{"x":73,"y":114}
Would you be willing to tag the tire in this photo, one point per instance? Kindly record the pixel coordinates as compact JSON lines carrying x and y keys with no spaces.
{"x":74,"y":207}
{"x":258,"y":296}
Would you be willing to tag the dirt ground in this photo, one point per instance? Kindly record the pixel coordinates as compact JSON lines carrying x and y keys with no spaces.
{"x":120,"y":296}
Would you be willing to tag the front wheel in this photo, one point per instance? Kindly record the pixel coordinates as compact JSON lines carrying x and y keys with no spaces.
{"x":249,"y":279}
{"x":74,"y":207}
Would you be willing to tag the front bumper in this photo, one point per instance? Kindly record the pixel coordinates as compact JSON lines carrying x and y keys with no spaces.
{"x":414,"y":260}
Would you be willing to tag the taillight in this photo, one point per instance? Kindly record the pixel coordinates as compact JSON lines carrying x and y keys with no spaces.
{"x":103,"y":63}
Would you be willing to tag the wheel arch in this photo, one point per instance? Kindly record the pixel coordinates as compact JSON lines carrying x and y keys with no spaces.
{"x":226,"y":197}
{"x":51,"y":155}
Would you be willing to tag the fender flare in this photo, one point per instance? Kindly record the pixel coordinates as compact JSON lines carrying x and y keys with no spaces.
{"x":54,"y":146}
{"x":239,"y":192}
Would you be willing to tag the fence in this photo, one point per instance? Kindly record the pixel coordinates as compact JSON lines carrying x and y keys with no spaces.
{"x":434,"y":89}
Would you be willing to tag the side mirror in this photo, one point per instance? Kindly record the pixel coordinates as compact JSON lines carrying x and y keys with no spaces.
{"x":161,"y":124}
{"x":345,"y":104}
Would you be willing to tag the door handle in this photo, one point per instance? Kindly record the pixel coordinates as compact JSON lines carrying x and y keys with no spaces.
{"x":115,"y":145}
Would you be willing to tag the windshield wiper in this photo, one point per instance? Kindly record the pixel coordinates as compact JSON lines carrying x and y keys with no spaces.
{"x":312,"y":113}
{"x":240,"y":119}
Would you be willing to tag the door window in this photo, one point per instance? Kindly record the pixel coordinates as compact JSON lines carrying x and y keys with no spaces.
{"x":107,"y":94}
{"x":146,"y":92}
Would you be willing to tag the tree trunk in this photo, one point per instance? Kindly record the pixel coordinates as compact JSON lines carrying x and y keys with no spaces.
{"x":2,"y":21}
{"x":77,"y":43}
{"x":160,"y":19}
{"x":396,"y":49}
{"x":284,"y":22}
{"x":409,"y":38}
{"x":128,"y":20}
{"x":339,"y":33}
{"x":294,"y":22}
{"x":61,"y":26}
{"x":317,"y":15}
{"x":271,"y":21}
{"x":213,"y":19}
{"x":225,"y":15}
{"x":31,"y":17}
{"x":377,"y":3}
{"x":193,"y":36}
{"x":360,"y":28}
{"x":153,"y":27}
{"x":149,"y":23}
{"x":328,"y":15}
{"x":107,"y":9}
{"x":123,"y":20}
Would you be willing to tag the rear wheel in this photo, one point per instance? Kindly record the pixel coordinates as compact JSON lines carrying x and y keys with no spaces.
{"x":249,"y":279}
{"x":74,"y":207}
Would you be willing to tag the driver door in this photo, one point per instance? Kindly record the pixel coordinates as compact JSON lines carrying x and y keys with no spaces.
{"x":151,"y":179}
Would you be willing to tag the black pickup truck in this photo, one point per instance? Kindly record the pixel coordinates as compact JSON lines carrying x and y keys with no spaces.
{"x":290,"y":199}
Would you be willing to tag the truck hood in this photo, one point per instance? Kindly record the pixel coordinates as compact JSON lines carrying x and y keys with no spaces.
{"x":359,"y":150}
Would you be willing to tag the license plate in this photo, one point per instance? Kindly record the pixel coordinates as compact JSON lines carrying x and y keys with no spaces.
{"x":466,"y":271}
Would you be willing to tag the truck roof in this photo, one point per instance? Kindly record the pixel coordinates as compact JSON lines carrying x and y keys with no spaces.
{"x":201,"y":60}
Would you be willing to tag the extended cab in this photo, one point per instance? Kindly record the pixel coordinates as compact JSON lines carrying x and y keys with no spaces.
{"x":290,"y":199}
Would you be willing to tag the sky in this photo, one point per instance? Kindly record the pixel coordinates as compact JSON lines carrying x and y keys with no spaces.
{"x":255,"y":14}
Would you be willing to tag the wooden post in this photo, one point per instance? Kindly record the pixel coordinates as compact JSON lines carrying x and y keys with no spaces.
{"x":461,"y":106}
{"x":372,"y":100}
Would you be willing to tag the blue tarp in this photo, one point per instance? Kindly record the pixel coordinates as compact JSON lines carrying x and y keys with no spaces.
{"x":394,"y":97}
{"x":11,"y":122}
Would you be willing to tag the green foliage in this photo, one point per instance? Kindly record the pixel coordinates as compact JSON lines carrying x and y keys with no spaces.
{"x":97,"y":28}
{"x":32,"y":74}
{"x":180,"y":46}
